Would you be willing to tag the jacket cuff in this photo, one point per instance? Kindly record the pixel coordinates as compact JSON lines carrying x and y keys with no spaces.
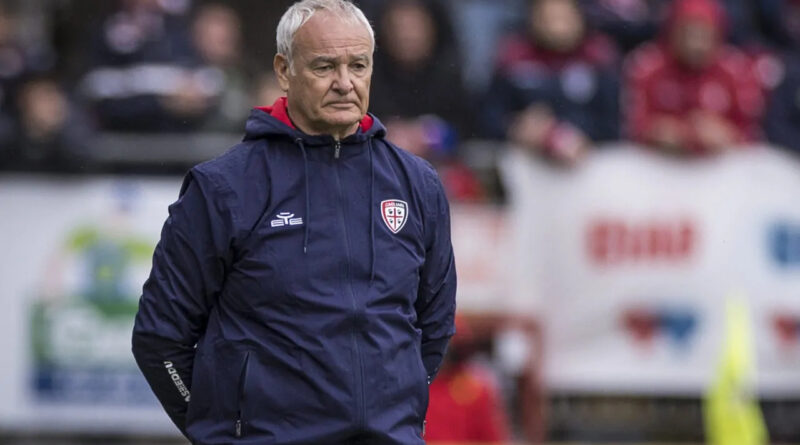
{"x":432,"y":355}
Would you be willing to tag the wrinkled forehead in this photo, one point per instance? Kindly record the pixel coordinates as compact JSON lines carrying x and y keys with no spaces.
{"x":329,"y":33}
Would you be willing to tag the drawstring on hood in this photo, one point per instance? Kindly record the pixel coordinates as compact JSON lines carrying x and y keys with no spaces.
{"x":299,"y":141}
{"x":371,"y":213}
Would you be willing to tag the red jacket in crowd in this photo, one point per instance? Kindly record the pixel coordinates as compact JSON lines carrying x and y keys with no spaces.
{"x":669,"y":101}
{"x":466,"y":406}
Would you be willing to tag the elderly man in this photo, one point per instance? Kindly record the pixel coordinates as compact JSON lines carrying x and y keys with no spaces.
{"x":303,"y":290}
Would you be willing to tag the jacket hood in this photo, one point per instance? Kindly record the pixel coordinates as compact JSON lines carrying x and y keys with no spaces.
{"x":274,"y":121}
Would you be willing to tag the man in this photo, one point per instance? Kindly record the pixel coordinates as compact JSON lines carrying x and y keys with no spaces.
{"x":555,"y":90}
{"x":303,"y":290}
{"x":689,"y":93}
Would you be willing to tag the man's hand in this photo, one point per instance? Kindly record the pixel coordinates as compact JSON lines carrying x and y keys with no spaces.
{"x":567,"y":144}
{"x":669,"y":133}
{"x":531,"y":127}
{"x":714,"y":133}
{"x":187,"y":100}
{"x":538,"y":130}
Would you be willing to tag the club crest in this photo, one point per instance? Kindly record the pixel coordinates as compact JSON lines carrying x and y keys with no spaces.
{"x":394,"y":213}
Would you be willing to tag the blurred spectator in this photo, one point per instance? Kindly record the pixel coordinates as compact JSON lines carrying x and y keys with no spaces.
{"x":465,"y":401}
{"x":782,"y":120}
{"x":555,"y":90}
{"x":780,"y":21}
{"x":629,"y":22}
{"x":689,"y":92}
{"x":34,"y":127}
{"x":50,"y":132}
{"x":217,"y":37}
{"x":17,"y":58}
{"x":12,"y":65}
{"x":417,"y":67}
{"x":143,"y":75}
{"x":417,"y":90}
{"x":495,"y":19}
{"x":633,"y":22}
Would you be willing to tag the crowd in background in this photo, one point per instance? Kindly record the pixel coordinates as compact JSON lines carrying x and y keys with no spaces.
{"x":555,"y":77}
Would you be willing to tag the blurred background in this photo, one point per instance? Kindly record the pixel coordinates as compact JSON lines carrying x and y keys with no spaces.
{"x":621,"y":173}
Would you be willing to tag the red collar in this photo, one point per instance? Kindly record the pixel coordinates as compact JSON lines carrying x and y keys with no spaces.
{"x":280,"y":110}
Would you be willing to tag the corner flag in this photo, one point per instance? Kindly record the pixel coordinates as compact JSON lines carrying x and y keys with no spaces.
{"x":732,"y":413}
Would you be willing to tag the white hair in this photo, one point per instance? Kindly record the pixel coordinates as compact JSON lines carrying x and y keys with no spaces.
{"x":300,"y":12}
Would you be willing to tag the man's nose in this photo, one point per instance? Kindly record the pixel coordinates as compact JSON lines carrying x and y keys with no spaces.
{"x":343,"y":82}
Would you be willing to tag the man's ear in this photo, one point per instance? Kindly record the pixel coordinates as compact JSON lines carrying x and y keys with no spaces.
{"x":281,"y":66}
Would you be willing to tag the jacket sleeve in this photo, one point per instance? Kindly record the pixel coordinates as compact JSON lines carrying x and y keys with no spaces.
{"x":188,"y":270}
{"x":436,"y":300}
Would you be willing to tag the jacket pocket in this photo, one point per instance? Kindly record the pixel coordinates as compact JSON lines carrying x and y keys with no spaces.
{"x":241,"y":419}
{"x":423,"y":376}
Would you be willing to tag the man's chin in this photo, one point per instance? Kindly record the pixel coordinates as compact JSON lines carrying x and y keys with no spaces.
{"x":343,"y":120}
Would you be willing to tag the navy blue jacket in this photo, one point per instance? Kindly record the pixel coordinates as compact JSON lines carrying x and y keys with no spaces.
{"x":580,"y":88}
{"x":283,"y":308}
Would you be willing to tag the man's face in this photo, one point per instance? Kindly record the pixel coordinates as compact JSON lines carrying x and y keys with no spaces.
{"x":328,"y":92}
{"x":410,"y":33}
{"x":557,"y":24}
{"x":694,"y":42}
{"x":216,"y":35}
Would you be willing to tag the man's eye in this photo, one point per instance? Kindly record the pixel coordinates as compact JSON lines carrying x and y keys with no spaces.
{"x":359,"y":66}
{"x":323,"y":69}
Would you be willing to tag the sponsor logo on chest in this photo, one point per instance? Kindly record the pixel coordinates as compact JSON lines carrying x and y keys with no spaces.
{"x":285,"y":219}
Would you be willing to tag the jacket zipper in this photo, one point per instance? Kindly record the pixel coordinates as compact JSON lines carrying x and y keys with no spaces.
{"x":240,"y":396}
{"x":361,"y":409}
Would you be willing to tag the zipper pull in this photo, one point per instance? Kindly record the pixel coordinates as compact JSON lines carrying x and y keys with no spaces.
{"x":238,"y":428}
{"x":337,"y":149}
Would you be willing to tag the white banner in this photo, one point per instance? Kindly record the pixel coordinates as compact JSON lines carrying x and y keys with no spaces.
{"x":628,"y":260}
{"x":74,"y":256}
